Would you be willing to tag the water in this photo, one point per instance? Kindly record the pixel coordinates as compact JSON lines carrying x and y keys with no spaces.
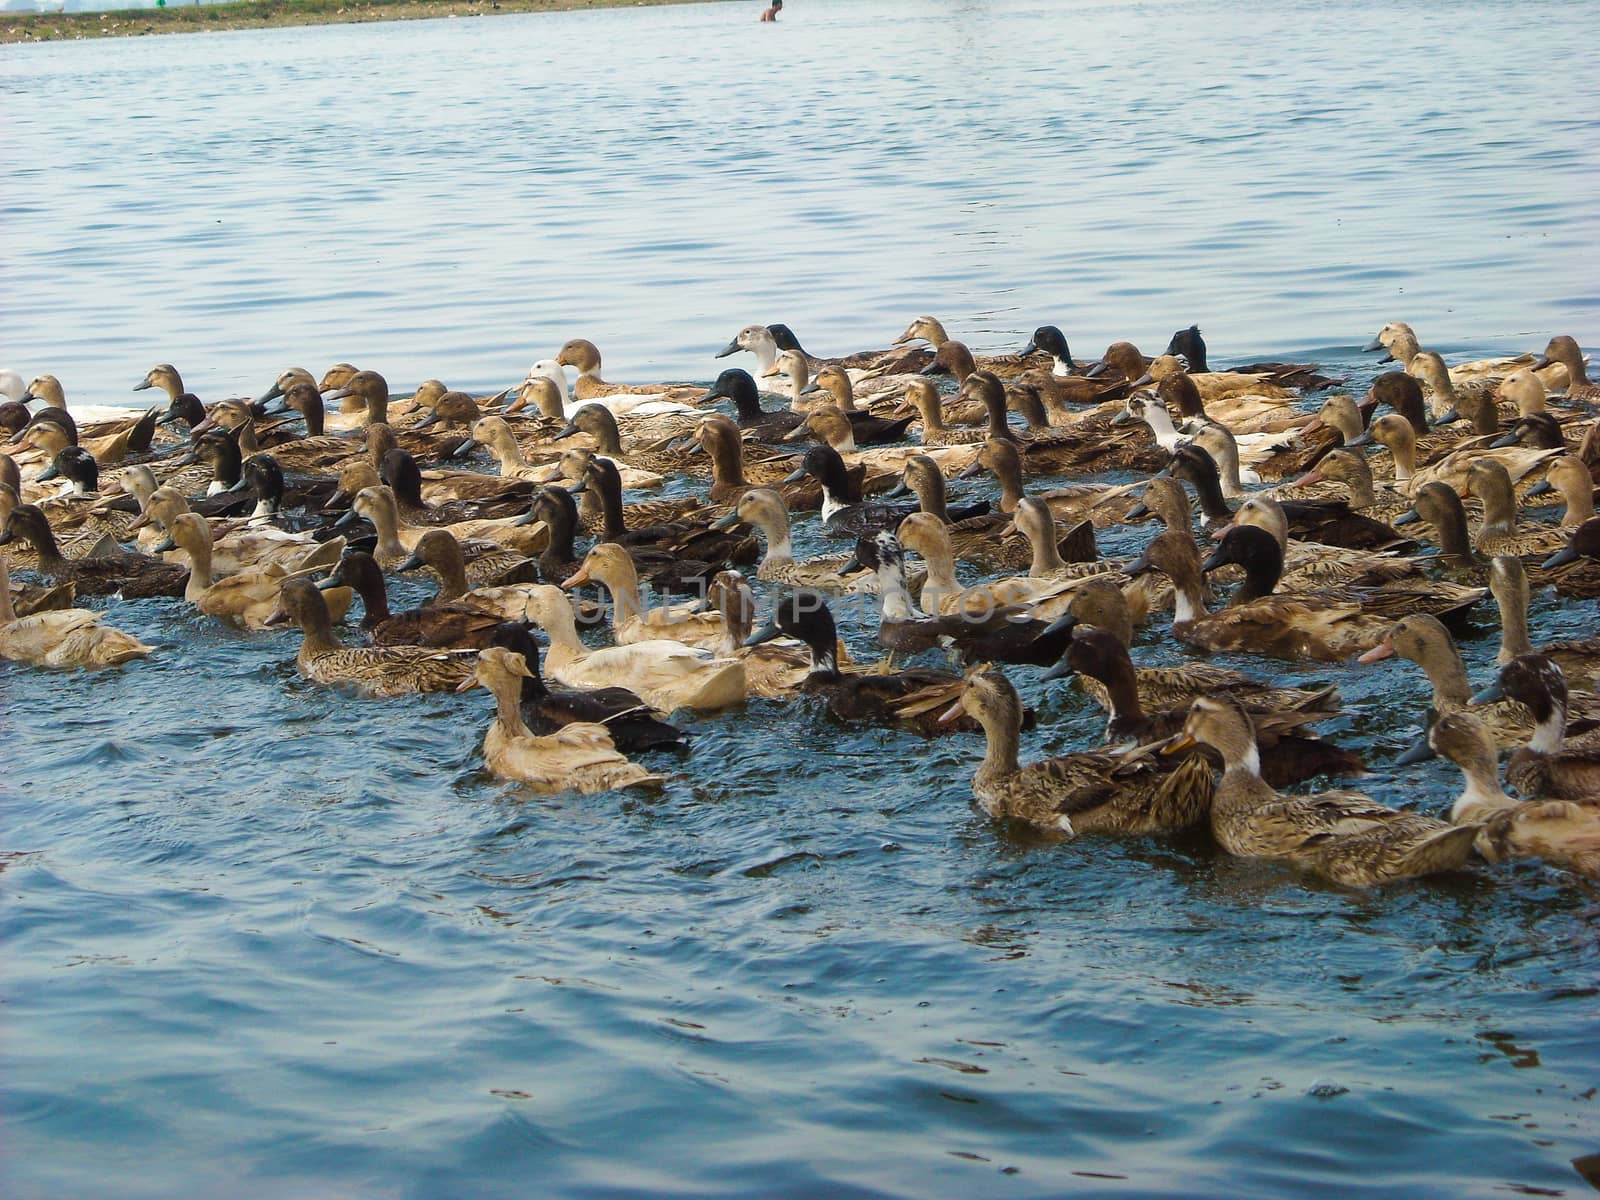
{"x":266,"y":940}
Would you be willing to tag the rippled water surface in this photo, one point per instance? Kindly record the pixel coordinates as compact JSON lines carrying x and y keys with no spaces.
{"x":267,"y":940}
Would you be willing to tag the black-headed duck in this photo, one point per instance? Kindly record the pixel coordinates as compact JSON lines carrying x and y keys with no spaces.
{"x":448,"y":625}
{"x":1545,"y":768}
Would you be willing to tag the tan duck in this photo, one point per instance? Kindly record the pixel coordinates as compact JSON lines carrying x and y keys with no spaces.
{"x":1425,"y":641}
{"x":1568,"y":478}
{"x":1563,"y":350}
{"x":1579,"y":660}
{"x":465,"y":623}
{"x":1499,"y":534}
{"x":734,"y":472}
{"x":1103,"y":505}
{"x":441,"y":552}
{"x":1546,"y":768}
{"x":667,"y":675}
{"x":48,"y":438}
{"x":494,"y":434}
{"x":925,"y":534}
{"x":765,"y":509}
{"x":578,"y":757}
{"x":1091,"y":791}
{"x":249,"y":597}
{"x":1298,"y":628}
{"x":396,"y":541}
{"x":1564,"y":834}
{"x":378,"y":671}
{"x":641,"y":460}
{"x":1361,"y":490}
{"x":932,"y":330}
{"x":632,"y":618}
{"x":368,"y":389}
{"x":1100,"y":603}
{"x":1455,"y":468}
{"x":1446,"y":399}
{"x":584,"y":356}
{"x":1032,"y":520}
{"x":1343,"y":836}
{"x":831,"y":427}
{"x":923,"y":399}
{"x":1246,"y":402}
{"x":62,"y":637}
{"x":541,"y":394}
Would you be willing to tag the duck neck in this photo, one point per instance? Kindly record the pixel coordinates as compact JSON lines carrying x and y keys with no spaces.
{"x":1188,"y":602}
{"x":727,"y":461}
{"x":932,"y":415}
{"x":1227,"y":457}
{"x":1208,"y":487}
{"x":1453,"y":539}
{"x":1122,"y":696}
{"x":386,"y":520}
{"x":941,"y":580}
{"x":559,"y":538}
{"x":1160,"y":422}
{"x":1499,"y":510}
{"x":508,"y":710}
{"x":627,"y":599}
{"x":7,"y":613}
{"x":1578,"y":492}
{"x":930,"y":494}
{"x":1482,"y":795}
{"x":562,"y":630}
{"x":199,"y":572}
{"x":607,"y":438}
{"x":1261,"y":576}
{"x":1514,"y":639}
{"x":507,"y":453}
{"x":892,"y":594}
{"x":317,"y":631}
{"x":995,"y":406}
{"x":1046,"y":554}
{"x":1448,"y":676}
{"x":779,"y":546}
{"x":1404,"y":454}
{"x":1009,"y":475}
{"x":374,"y":598}
{"x":377,"y":409}
{"x":1243,"y":759}
{"x":616,"y":528}
{"x":1363,"y":493}
{"x":1002,"y":736}
{"x":452,"y":572}
{"x":314,"y":417}
{"x":1548,"y":733}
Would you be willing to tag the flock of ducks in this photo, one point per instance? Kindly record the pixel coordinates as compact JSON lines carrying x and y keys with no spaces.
{"x":1292,"y":520}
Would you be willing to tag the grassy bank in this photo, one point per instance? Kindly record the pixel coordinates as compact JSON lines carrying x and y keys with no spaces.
{"x":269,"y":14}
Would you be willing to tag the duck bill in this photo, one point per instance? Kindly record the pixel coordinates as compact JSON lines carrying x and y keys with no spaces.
{"x":952,"y":713}
{"x":900,"y":489}
{"x":1312,"y":476}
{"x":1060,"y":671}
{"x":467,"y":684}
{"x":1543,"y":488}
{"x":1560,"y":558}
{"x":1489,"y":694}
{"x":49,"y":472}
{"x":1450,"y":417}
{"x":1138,"y":511}
{"x":1374,"y":345}
{"x":732,"y":347}
{"x":1178,"y":743}
{"x":727,"y":522}
{"x":1061,"y":624}
{"x":272,"y":393}
{"x":1383,"y":650}
{"x":276,"y":617}
{"x":1409,"y":517}
{"x":1215,"y":560}
{"x":799,"y":433}
{"x":976,"y":468}
{"x":332,"y":581}
{"x":1139,"y":566}
{"x":1504,"y":440}
{"x":466,"y":448}
{"x":1096,"y":369}
{"x":568,"y":430}
{"x":1031,"y":348}
{"x":164,"y":547}
{"x":1123,"y":418}
{"x":765,"y":634}
{"x":336,"y":394}
{"x":1544,"y":361}
{"x":795,"y":476}
{"x":144,"y":385}
{"x":1364,"y":440}
{"x":577,"y":579}
{"x":410,"y":564}
{"x":811,"y":388}
{"x":526,"y":519}
{"x":350,"y":517}
{"x":1420,"y":751}
{"x":934,"y":368}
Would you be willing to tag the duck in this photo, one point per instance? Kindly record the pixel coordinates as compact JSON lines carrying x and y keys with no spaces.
{"x":922,"y":402}
{"x":449,"y":625}
{"x":1448,"y":401}
{"x":62,"y":637}
{"x":1545,"y":767}
{"x":736,"y":385}
{"x":1261,"y":555}
{"x":1425,"y":641}
{"x":644,"y":464}
{"x":1537,"y":431}
{"x":538,"y":394}
{"x":677,"y":555}
{"x":236,"y":546}
{"x":1563,"y":834}
{"x":1292,"y":627}
{"x":1363,"y":494}
{"x":931,"y":330}
{"x":1342,"y":836}
{"x":1003,"y":634}
{"x":1578,"y":659}
{"x":1091,"y":791}
{"x":484,"y":508}
{"x":774,"y":669}
{"x":1147,"y":409}
{"x":133,"y":576}
{"x":1102,"y":505}
{"x":624,"y":714}
{"x":1574,"y":569}
{"x":1455,"y":468}
{"x":1563,"y":350}
{"x":494,"y":434}
{"x":632,"y":618}
{"x":1489,"y":481}
{"x":1189,"y":345}
{"x":760,"y":341}
{"x":181,"y":403}
{"x":1048,"y":562}
{"x":396,"y":542}
{"x":1102,"y":603}
{"x":1289,"y":755}
{"x":925,"y":534}
{"x":584,"y":357}
{"x":373,"y":671}
{"x":578,"y":757}
{"x":247,"y":598}
{"x":868,"y":430}
{"x":733,"y":472}
{"x":843,"y":518}
{"x":440,"y":551}
{"x":764,"y":509}
{"x":1248,"y":402}
{"x":976,"y":538}
{"x":367,"y":388}
{"x":667,"y":675}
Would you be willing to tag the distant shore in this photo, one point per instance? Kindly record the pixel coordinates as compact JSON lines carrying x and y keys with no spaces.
{"x":270,"y":14}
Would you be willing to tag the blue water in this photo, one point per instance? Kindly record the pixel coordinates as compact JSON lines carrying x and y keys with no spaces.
{"x":266,"y":940}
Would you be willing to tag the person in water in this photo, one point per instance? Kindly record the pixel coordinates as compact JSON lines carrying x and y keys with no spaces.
{"x":771,"y":14}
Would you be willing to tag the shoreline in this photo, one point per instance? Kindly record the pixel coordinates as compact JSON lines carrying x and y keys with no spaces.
{"x":22,"y":28}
